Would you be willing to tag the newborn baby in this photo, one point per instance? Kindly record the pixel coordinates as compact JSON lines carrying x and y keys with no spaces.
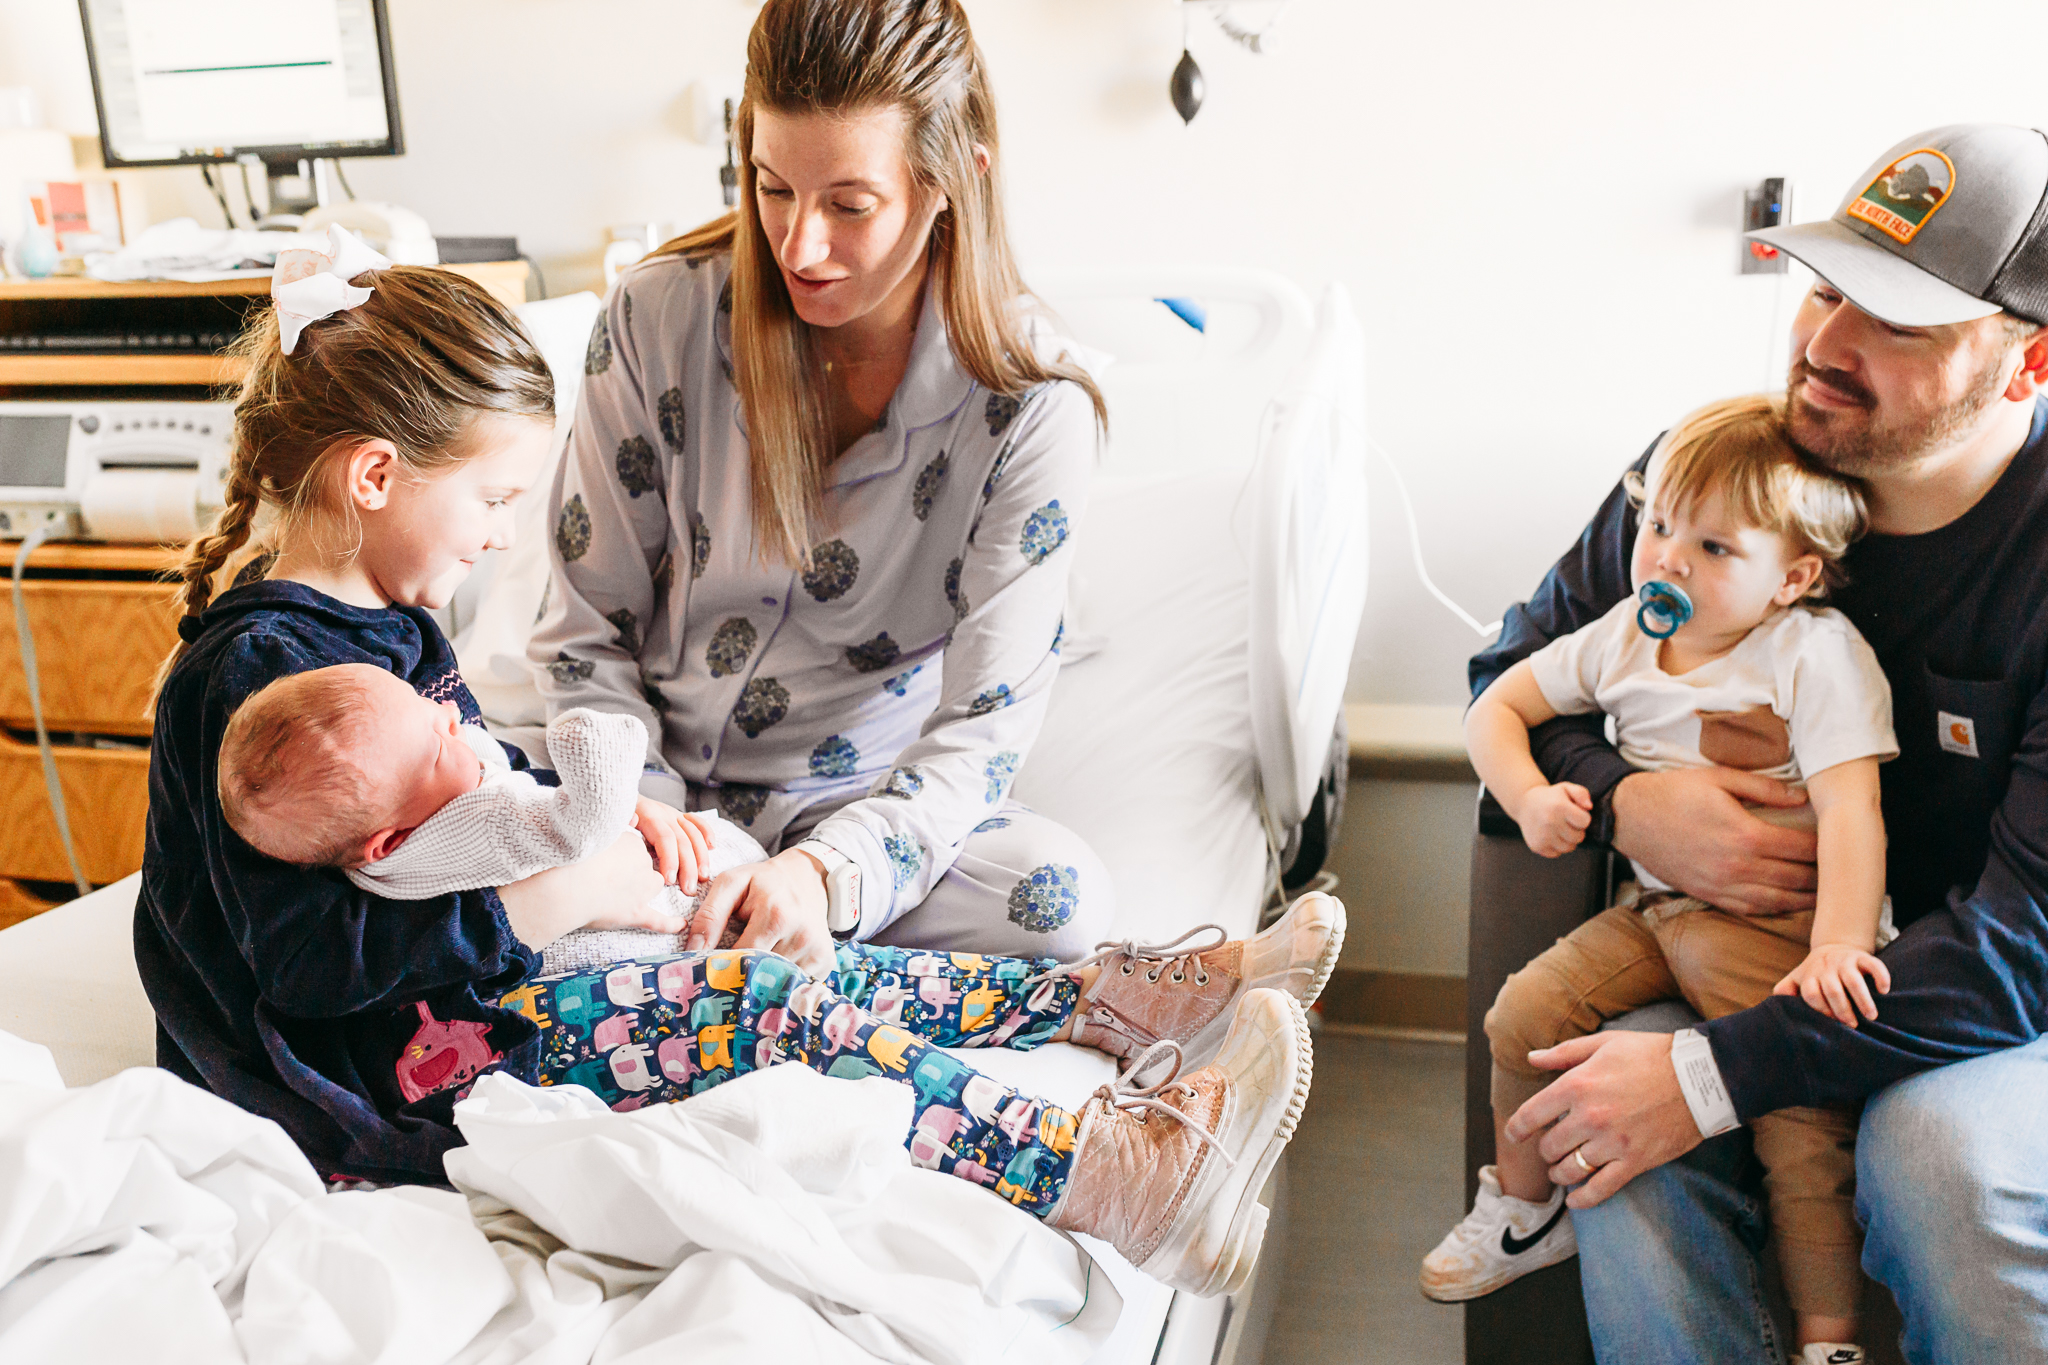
{"x":349,"y":767}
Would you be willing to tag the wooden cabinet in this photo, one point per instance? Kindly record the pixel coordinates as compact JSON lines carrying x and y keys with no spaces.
{"x":103,"y":619}
{"x":98,"y":645}
{"x":106,"y":795}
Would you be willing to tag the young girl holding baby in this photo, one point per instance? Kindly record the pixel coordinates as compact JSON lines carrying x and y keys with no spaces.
{"x":388,"y":419}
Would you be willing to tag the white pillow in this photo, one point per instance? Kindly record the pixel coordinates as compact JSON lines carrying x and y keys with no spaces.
{"x":1147,"y":747}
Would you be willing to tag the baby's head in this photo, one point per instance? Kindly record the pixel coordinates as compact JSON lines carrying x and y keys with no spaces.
{"x":1733,"y":513}
{"x":334,"y":767}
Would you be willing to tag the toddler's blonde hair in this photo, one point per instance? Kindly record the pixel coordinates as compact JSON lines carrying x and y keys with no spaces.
{"x":1740,"y":449}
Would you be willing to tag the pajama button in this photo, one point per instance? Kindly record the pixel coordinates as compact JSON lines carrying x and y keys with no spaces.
{"x":707,"y":751}
{"x":767,"y":601}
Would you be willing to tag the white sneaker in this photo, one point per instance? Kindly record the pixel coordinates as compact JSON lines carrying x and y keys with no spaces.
{"x":1501,"y":1240}
{"x":1829,"y":1353}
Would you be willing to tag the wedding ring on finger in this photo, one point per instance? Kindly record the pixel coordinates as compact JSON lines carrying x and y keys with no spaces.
{"x":1579,"y":1155}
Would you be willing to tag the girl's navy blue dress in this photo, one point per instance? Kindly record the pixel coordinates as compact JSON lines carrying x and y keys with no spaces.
{"x":287,"y":990}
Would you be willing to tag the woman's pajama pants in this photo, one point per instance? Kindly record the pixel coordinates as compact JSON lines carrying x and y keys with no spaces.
{"x":660,"y":1029}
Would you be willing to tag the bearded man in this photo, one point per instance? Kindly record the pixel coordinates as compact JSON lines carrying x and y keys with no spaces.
{"x":1918,"y":360}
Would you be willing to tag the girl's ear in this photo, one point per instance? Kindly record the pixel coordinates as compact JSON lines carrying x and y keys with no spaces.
{"x":983,"y":158}
{"x":371,"y":471}
{"x":1801,"y":577}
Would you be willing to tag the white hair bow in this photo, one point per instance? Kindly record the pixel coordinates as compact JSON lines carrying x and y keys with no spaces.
{"x":310,"y":285}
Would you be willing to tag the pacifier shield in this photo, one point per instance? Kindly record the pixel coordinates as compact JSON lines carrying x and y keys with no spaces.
{"x":1665,"y":608}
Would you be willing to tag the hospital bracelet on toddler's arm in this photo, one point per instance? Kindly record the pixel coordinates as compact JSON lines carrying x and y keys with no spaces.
{"x":1692,"y":1057}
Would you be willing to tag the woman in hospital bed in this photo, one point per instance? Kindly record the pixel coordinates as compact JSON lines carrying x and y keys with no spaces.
{"x":815,"y":518}
{"x":387,"y":425}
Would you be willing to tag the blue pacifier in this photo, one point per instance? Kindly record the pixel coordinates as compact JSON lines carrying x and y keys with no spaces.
{"x":1665,"y":608}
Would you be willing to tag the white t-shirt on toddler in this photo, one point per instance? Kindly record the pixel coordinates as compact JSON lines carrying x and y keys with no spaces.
{"x":1801,"y":693}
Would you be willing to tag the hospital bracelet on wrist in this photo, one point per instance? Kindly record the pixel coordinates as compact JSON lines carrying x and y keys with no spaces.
{"x":1692,"y":1057}
{"x":842,"y":887}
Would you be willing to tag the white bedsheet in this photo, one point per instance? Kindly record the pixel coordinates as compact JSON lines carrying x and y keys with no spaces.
{"x":141,"y":1218}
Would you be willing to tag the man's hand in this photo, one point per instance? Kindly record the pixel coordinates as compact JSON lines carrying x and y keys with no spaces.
{"x":680,"y":843}
{"x":1831,"y":980}
{"x":1689,"y":827}
{"x":782,"y":903}
{"x":1618,"y":1105}
{"x":1554,"y":819}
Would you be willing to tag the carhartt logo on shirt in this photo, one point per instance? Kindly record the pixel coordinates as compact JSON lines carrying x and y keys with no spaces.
{"x":1958,"y":733}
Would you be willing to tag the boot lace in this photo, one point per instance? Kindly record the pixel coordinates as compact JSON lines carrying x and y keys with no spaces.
{"x":1143,"y":1100}
{"x":1185,"y":961}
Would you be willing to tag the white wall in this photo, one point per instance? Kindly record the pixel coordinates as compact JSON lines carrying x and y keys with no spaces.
{"x":1533,"y":205}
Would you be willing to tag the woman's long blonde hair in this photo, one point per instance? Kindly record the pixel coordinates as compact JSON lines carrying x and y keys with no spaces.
{"x":847,"y":56}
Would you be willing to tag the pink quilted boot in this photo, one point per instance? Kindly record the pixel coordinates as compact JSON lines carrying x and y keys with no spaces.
{"x":1152,"y":993}
{"x":1169,"y":1174}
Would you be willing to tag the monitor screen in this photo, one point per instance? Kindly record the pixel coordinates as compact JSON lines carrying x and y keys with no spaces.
{"x":210,"y":80}
{"x":33,"y":450}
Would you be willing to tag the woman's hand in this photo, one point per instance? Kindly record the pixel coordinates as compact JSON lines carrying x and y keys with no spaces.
{"x":1831,"y":980}
{"x":680,"y":843}
{"x":782,"y":903}
{"x":612,"y":889}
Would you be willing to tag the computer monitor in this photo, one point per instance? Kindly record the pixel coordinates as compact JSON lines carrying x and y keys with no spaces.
{"x":182,"y":82}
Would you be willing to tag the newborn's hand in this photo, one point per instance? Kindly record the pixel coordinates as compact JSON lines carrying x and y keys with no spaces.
{"x":1555,"y":819}
{"x":680,"y":843}
{"x":1832,"y":977}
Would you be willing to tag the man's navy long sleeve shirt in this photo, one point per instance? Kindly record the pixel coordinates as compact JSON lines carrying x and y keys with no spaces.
{"x":1958,"y":618}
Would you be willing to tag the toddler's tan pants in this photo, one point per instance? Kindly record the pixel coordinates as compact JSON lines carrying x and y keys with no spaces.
{"x":1659,"y":947}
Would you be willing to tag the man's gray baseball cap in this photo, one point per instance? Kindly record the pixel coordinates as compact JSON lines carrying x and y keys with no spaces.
{"x":1950,"y":225}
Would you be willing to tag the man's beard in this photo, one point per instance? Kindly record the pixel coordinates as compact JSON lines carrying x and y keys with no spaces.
{"x":1880,"y":446}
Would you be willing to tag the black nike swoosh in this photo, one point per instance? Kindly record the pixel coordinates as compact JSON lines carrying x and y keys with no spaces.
{"x":1515,"y":1246}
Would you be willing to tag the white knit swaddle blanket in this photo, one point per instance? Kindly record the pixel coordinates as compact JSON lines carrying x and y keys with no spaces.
{"x":511,"y":827}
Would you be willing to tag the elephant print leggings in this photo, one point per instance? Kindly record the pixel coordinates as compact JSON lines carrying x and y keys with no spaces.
{"x":661,"y":1029}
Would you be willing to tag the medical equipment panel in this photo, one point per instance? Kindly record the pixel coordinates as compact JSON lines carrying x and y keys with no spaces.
{"x":112,"y":470}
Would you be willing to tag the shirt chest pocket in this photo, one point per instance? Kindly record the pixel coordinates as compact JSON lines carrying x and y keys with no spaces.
{"x":1968,"y":731}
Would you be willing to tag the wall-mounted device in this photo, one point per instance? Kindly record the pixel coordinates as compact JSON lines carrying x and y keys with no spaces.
{"x":149,"y":472}
{"x":1765,"y":206}
{"x":198,"y":82}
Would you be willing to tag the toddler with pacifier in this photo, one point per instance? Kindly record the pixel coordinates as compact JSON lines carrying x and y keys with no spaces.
{"x":1725,"y":657}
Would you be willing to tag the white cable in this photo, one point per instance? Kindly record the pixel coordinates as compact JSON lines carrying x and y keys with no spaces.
{"x":1415,"y":543}
{"x":35,"y":701}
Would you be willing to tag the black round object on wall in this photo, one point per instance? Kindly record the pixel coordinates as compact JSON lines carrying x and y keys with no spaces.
{"x":1187,"y":87}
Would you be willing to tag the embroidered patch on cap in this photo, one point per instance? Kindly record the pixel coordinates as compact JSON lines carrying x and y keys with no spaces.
{"x":1958,"y":733}
{"x":1905,"y":194}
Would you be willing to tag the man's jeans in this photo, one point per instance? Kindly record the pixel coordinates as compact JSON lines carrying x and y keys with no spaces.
{"x":1952,"y":1190}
